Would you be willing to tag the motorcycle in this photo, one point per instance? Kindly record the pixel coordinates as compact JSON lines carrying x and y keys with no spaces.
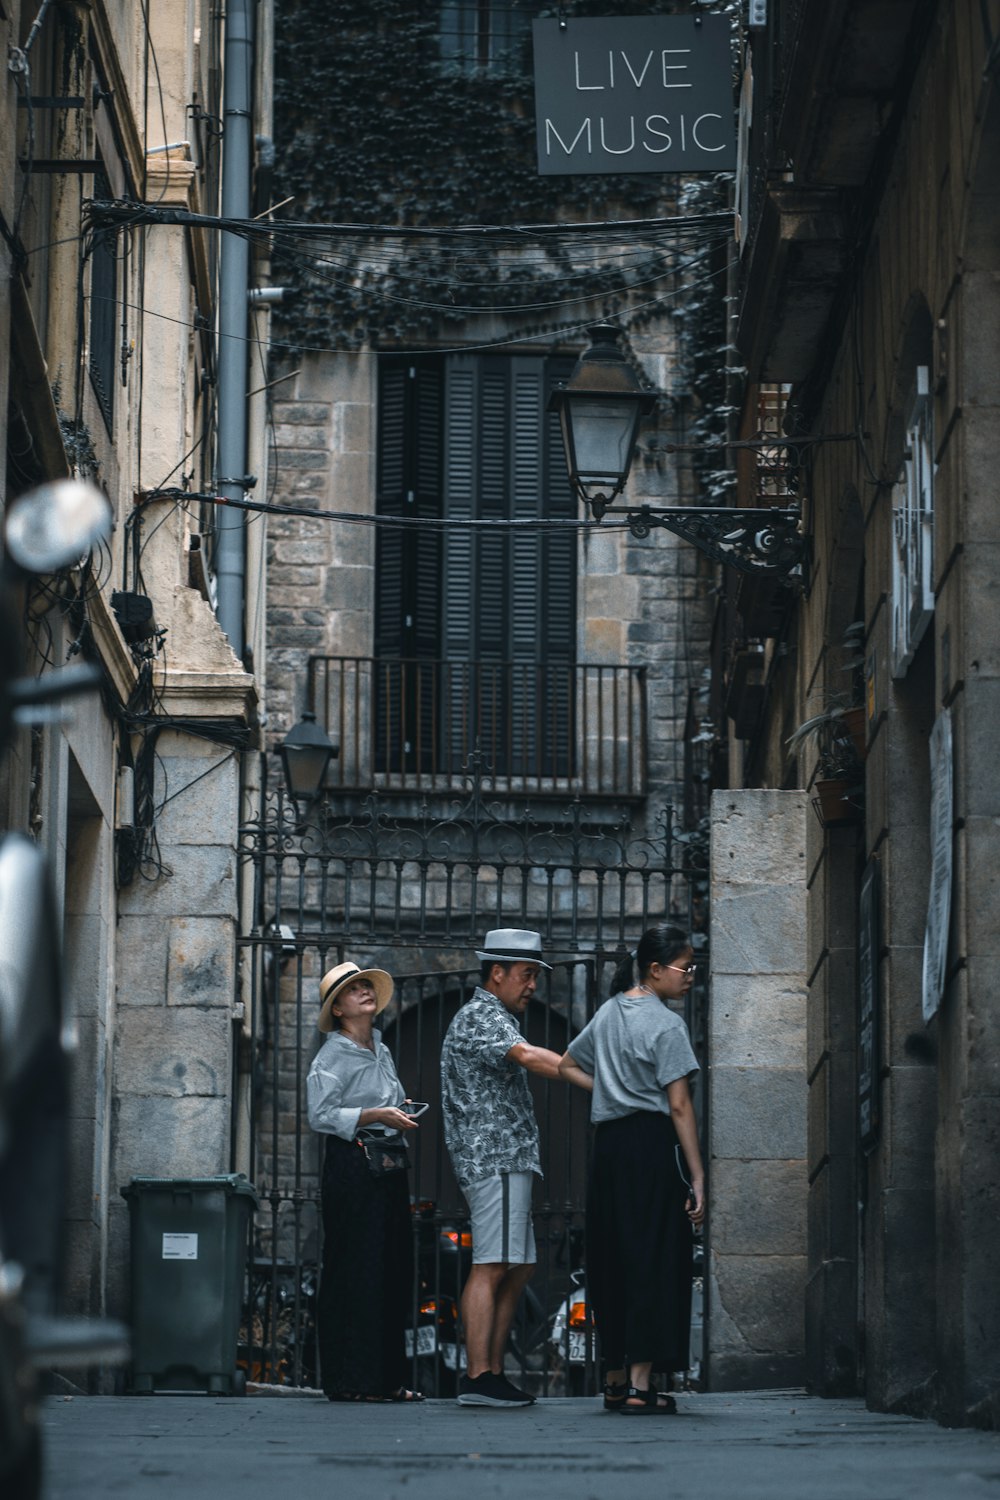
{"x":45,"y":531}
{"x":444,"y":1255}
{"x":277,"y":1341}
{"x":573,"y":1340}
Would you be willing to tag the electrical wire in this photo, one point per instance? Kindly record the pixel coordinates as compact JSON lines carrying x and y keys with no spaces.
{"x":452,"y":309}
{"x":215,"y":766}
{"x":123,"y":212}
{"x":554,"y":333}
{"x":551,"y":524}
{"x":151,"y":55}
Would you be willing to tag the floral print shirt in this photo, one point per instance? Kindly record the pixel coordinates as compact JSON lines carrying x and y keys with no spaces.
{"x":489,"y":1119}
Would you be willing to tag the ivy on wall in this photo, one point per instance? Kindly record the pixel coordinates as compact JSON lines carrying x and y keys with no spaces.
{"x":373,"y":126}
{"x":708,"y":362}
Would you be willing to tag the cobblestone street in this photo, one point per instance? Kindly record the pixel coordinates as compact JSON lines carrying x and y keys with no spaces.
{"x":761,"y":1446}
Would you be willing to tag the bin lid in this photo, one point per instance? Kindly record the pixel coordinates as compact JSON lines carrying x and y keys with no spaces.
{"x":233,"y":1183}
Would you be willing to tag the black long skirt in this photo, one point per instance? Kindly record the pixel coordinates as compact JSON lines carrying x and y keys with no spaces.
{"x":639,"y":1243}
{"x":367,"y":1280}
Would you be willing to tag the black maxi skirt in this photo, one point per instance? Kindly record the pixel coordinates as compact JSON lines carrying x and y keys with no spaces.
{"x":367,"y":1281}
{"x":639,"y":1243}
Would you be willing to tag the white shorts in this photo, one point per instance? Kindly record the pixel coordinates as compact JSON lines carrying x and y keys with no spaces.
{"x":502,"y":1231}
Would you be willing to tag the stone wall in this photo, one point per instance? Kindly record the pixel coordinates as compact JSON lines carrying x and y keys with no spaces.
{"x":173,"y":1055}
{"x":912,"y":1265}
{"x":757,"y":1187}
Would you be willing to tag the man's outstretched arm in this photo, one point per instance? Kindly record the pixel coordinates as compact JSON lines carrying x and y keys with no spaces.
{"x":538,"y":1060}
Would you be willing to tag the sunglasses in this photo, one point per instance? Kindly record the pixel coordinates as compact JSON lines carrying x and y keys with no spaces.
{"x":678,"y":969}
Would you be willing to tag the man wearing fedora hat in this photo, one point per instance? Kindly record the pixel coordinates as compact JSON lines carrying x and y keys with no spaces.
{"x":492,"y":1139}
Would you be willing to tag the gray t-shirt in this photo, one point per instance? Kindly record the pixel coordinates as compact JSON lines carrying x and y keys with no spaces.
{"x":634,"y":1047}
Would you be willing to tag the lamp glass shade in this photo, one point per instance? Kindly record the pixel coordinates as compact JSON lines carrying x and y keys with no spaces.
{"x":599,"y":433}
{"x":305,"y":753}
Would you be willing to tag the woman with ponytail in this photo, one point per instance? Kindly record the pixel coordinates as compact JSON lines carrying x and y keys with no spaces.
{"x":647,"y":1183}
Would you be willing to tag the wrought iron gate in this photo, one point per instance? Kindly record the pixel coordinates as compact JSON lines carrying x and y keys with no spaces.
{"x":413,"y":888}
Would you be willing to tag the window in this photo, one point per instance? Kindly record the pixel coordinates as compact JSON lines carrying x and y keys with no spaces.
{"x":477,"y":35}
{"x":913,"y":530}
{"x":103,"y":311}
{"x":475,"y":629}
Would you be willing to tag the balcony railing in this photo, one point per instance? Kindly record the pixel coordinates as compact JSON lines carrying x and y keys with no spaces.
{"x":555,"y":729}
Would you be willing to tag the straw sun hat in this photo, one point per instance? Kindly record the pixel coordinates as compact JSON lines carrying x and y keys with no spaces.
{"x":335,"y":980}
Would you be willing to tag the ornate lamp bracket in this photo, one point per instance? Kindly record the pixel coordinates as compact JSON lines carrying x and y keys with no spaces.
{"x":752,"y":541}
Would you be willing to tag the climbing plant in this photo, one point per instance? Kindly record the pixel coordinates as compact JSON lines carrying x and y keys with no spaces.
{"x":711,"y":373}
{"x":375,"y":126}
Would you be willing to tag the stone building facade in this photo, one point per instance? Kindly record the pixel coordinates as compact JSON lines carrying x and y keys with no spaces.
{"x":867,"y":297}
{"x":107,"y":361}
{"x":642,"y":610}
{"x":572,"y":684}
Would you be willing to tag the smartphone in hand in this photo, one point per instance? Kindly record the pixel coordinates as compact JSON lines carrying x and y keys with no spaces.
{"x":414,"y":1108}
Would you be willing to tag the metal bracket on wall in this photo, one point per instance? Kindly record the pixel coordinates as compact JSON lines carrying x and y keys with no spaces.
{"x":764,"y":540}
{"x":752,"y":541}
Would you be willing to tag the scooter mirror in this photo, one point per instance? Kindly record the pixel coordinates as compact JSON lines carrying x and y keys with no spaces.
{"x":56,"y":524}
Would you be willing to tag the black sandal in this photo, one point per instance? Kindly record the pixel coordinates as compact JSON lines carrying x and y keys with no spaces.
{"x":614,"y":1396}
{"x":654,"y":1404}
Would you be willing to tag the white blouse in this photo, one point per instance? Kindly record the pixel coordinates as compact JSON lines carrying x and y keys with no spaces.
{"x":346,"y":1078}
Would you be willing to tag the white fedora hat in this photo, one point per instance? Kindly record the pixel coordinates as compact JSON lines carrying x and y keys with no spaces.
{"x":512,"y":945}
{"x":334,"y":980}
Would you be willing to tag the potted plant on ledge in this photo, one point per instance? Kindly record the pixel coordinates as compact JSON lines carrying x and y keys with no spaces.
{"x":839,"y":736}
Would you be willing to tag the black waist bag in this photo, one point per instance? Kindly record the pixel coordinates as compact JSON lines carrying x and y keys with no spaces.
{"x":384,"y":1155}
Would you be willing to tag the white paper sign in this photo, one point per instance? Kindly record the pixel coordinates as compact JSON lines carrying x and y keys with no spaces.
{"x":180,"y":1247}
{"x":939,"y":904}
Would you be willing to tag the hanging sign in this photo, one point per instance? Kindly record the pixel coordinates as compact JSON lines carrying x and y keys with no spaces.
{"x":634,"y":94}
{"x":939,"y":903}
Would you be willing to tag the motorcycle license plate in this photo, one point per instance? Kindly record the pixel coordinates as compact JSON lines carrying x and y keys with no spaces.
{"x":577,"y":1348}
{"x":426,"y":1340}
{"x":454,"y":1358}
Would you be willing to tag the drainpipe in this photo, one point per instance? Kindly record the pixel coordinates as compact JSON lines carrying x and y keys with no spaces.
{"x":234,"y":264}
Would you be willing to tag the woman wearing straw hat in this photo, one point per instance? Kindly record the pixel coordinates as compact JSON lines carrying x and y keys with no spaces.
{"x":354,"y":1097}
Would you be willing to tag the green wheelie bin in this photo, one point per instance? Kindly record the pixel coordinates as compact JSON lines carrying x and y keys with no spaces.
{"x":189,"y":1252}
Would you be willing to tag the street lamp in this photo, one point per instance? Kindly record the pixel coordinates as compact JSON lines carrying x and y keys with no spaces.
{"x":305,"y":752}
{"x":599,"y":410}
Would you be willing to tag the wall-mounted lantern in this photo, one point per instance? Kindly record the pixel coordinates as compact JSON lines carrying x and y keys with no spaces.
{"x":600,"y":408}
{"x":305,"y":752}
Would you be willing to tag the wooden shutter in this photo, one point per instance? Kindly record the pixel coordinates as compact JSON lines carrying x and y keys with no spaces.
{"x":492,"y":573}
{"x":528,"y":673}
{"x":408,"y":565}
{"x":104,"y":311}
{"x":423,"y":590}
{"x":510,"y":597}
{"x":461,"y":646}
{"x":559,"y":572}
